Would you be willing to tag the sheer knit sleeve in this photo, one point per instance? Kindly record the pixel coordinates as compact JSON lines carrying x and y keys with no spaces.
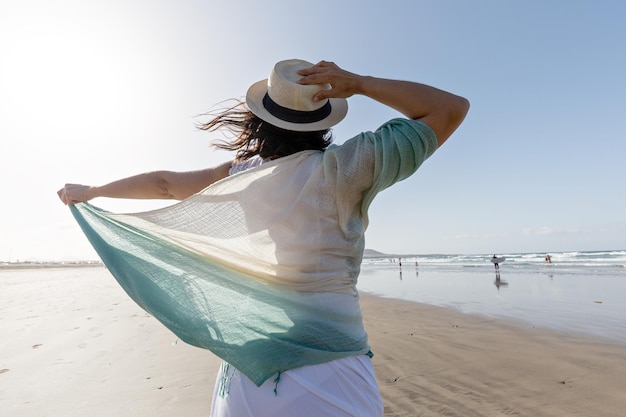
{"x":372,"y":161}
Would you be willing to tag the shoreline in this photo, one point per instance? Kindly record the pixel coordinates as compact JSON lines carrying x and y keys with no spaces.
{"x":74,"y":344}
{"x":50,"y":265}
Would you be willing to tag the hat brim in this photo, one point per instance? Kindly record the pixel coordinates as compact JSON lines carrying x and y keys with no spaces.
{"x":254,"y":100}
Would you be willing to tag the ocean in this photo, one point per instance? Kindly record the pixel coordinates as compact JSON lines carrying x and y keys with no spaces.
{"x":577,"y":291}
{"x":578,"y":263}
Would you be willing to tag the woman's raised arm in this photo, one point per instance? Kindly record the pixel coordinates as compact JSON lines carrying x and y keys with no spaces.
{"x":441,"y":110}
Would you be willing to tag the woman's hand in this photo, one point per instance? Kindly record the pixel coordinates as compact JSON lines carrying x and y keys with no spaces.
{"x":74,"y":193}
{"x":343,"y":84}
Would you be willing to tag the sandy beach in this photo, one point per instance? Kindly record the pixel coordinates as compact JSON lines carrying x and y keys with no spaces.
{"x":73,"y":344}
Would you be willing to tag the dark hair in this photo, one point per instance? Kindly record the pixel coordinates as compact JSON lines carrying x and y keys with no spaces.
{"x":253,"y":136}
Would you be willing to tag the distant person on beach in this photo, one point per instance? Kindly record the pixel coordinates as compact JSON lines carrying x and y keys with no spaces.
{"x":496,"y":264}
{"x":309,"y":202}
{"x":548,"y":259}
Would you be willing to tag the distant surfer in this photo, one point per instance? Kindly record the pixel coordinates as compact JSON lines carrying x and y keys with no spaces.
{"x":496,"y":262}
{"x":548,"y":259}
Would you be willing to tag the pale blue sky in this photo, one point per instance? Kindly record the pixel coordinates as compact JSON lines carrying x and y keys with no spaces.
{"x":91,"y":91}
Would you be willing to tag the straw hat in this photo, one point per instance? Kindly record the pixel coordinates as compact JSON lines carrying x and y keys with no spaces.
{"x":284,"y":103}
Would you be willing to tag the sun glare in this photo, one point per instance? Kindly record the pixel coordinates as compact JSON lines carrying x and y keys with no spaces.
{"x":57,"y":67}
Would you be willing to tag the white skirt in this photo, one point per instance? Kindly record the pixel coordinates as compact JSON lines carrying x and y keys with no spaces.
{"x":341,"y":388}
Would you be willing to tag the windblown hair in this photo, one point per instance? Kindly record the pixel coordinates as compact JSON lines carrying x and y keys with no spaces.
{"x":253,"y":136}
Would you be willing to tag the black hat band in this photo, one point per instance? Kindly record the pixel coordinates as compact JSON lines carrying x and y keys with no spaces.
{"x":295,"y":116}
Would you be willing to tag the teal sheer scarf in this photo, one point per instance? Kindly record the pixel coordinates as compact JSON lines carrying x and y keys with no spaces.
{"x":258,"y":328}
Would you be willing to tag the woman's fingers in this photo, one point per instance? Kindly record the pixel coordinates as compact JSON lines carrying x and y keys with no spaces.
{"x":73,"y":193}
{"x":320,"y":73}
{"x":342,"y":82}
{"x":61,"y":194}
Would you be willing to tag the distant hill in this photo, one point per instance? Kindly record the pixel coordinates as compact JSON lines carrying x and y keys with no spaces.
{"x":371,"y":253}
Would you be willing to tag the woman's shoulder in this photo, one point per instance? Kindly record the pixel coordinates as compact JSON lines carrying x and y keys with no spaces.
{"x":404,"y":124}
{"x":402,"y":127}
{"x":243,"y":165}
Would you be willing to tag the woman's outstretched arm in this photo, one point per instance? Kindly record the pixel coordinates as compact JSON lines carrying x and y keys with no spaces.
{"x":150,"y":185}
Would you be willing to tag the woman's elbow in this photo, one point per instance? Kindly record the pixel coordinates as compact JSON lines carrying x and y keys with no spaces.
{"x":459,"y":110}
{"x":456,"y":112}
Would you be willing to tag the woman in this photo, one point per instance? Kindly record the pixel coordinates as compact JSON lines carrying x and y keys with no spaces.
{"x":293,"y":229}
